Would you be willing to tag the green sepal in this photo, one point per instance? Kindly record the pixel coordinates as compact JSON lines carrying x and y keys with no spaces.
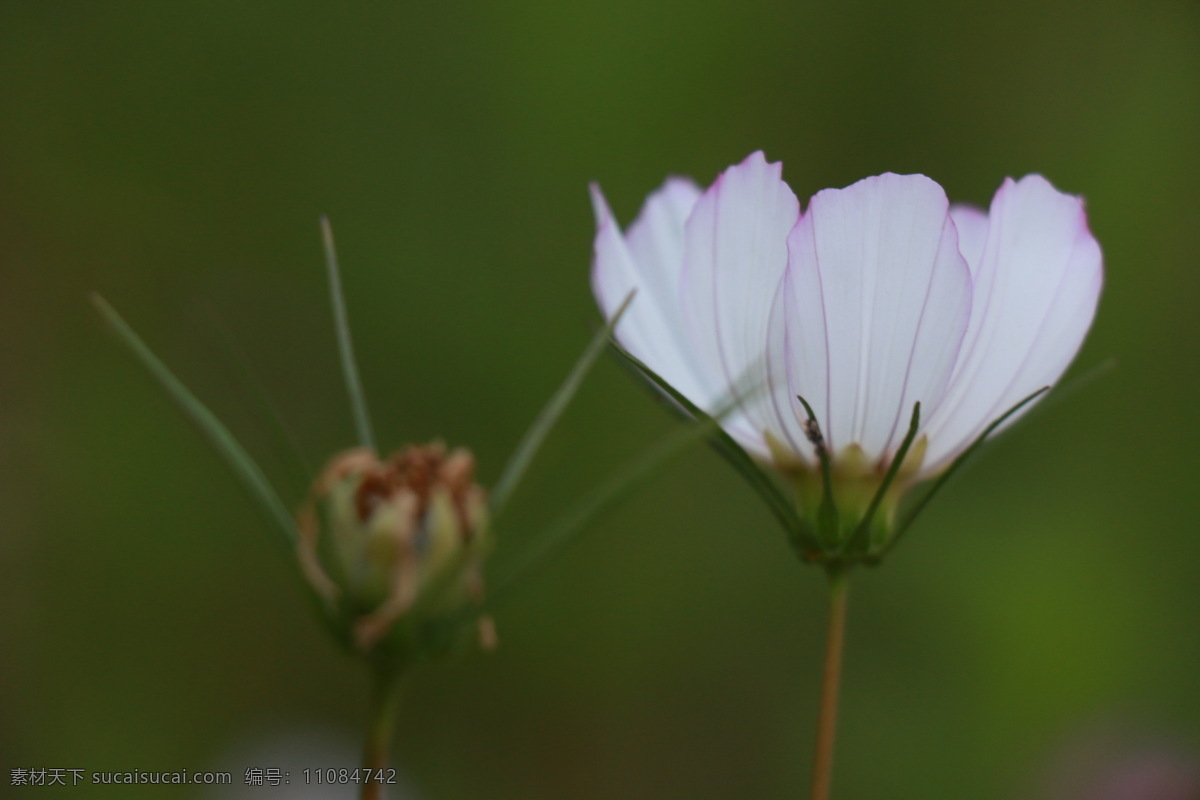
{"x":440,"y":620}
{"x":763,"y":482}
{"x":434,"y":626}
{"x":919,"y":506}
{"x":827,"y":510}
{"x":863,"y":531}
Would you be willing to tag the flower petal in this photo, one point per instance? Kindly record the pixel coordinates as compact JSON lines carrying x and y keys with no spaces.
{"x":655,"y":238}
{"x":972,"y":225}
{"x":649,"y":259}
{"x":735,"y":254}
{"x":1037,"y":284}
{"x":878,"y":299}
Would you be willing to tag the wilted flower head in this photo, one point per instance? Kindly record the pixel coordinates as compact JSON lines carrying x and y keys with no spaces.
{"x":395,"y":546}
{"x":877,"y":297}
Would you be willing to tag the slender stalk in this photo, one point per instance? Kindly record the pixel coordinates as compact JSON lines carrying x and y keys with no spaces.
{"x":385,"y":700}
{"x":827,"y":716}
{"x":358,"y":400}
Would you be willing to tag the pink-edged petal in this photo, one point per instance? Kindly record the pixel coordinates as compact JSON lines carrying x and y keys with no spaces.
{"x":652,"y":328}
{"x":655,"y":238}
{"x":613,"y":271}
{"x":1037,"y":285}
{"x":878,"y":299}
{"x":972,"y":226}
{"x":735,"y":254}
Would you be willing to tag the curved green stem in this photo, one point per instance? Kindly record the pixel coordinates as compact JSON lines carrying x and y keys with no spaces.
{"x":827,"y":716}
{"x":385,"y":700}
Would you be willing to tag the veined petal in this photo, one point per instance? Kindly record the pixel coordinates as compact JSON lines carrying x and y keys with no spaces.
{"x":655,"y":238}
{"x":650,"y":259}
{"x":972,"y":226}
{"x":878,"y":298}
{"x":1037,"y":284}
{"x":735,"y":254}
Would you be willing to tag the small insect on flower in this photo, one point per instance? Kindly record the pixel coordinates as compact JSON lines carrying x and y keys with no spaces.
{"x":812,"y":432}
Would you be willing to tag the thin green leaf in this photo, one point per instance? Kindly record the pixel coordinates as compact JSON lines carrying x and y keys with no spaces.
{"x":560,"y":533}
{"x":243,"y":466}
{"x":267,"y":411}
{"x":1068,"y":388}
{"x":358,"y":400}
{"x":529,"y":445}
{"x":762,"y":482}
{"x":893,"y":468}
{"x":954,"y":467}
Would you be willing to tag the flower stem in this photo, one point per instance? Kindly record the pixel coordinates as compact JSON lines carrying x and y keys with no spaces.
{"x":385,"y":699}
{"x":827,"y":716}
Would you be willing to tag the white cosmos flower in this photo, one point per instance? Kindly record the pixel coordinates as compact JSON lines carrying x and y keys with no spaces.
{"x":876,"y":297}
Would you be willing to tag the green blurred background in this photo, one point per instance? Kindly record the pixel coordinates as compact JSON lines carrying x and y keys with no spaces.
{"x":175,"y":156}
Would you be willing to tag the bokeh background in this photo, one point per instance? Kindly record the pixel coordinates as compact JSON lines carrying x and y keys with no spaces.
{"x":175,"y":156}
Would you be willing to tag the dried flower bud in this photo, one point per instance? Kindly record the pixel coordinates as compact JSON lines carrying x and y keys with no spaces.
{"x":395,"y":547}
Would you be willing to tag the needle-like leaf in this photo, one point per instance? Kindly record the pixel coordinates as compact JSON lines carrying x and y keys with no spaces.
{"x":902,"y":528}
{"x":1070,"y":386}
{"x":723,"y":443}
{"x":553,"y":539}
{"x":243,"y":466}
{"x":532,"y":441}
{"x":285,"y":443}
{"x":864,"y":527}
{"x":358,"y":400}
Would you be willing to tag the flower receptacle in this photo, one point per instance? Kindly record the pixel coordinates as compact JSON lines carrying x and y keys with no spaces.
{"x":394,"y":549}
{"x":849,"y":505}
